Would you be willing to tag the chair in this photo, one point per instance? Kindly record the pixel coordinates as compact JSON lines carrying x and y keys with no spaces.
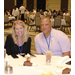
{"x":37,"y":14}
{"x":30,"y":24}
{"x":25,"y":17}
{"x":37,"y":23}
{"x":57,"y":23}
{"x":67,"y":25}
{"x":67,"y":19}
{"x":6,"y":21}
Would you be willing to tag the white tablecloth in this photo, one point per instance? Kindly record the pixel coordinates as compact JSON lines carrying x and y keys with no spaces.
{"x":32,"y":16}
{"x":62,"y":21}
{"x":11,"y":18}
{"x":40,"y":60}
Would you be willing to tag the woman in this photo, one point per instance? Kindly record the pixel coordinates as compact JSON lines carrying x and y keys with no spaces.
{"x":18,"y":42}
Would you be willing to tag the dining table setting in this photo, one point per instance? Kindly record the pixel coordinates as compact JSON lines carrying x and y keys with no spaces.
{"x":14,"y":65}
{"x":11,"y":18}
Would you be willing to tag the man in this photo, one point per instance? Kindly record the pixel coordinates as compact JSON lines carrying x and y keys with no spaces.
{"x":51,"y":39}
{"x":22,"y":10}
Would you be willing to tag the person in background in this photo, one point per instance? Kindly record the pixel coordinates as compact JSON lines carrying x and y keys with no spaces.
{"x":15,"y":12}
{"x":34,"y":11}
{"x":54,"y":14}
{"x":66,"y":13}
{"x":51,"y":39}
{"x":45,"y":12}
{"x":19,"y":41}
{"x":22,"y":11}
{"x":59,"y":13}
{"x":26,"y":11}
{"x":41,"y":12}
{"x":10,"y":11}
{"x":50,"y":11}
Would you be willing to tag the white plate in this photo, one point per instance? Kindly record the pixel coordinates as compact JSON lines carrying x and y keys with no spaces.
{"x":34,"y":65}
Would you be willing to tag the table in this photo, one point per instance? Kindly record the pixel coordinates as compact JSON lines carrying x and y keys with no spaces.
{"x":62,"y":21}
{"x":38,"y":70}
{"x":11,"y":18}
{"x":32,"y":16}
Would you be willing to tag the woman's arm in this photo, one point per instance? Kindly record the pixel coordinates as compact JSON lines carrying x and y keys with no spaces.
{"x":8,"y":45}
{"x":29,"y":45}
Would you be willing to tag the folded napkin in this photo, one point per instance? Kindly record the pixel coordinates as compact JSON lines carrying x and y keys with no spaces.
{"x":63,"y":59}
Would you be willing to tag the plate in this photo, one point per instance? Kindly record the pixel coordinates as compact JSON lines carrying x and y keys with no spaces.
{"x":34,"y":65}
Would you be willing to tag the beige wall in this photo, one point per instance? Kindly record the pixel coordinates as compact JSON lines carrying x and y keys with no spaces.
{"x":50,"y":4}
{"x":69,"y":5}
{"x":35,"y":4}
{"x":53,"y":4}
{"x":25,"y":3}
{"x":15,"y":2}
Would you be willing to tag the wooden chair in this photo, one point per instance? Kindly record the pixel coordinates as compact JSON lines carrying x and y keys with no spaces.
{"x":37,"y":14}
{"x":67,"y":19}
{"x":57,"y":23}
{"x":25,"y":17}
{"x":29,"y":23}
{"x":6,"y":21}
{"x":67,"y":25}
{"x":37,"y":23}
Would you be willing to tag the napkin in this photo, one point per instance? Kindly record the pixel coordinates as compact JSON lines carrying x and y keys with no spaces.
{"x":63,"y":59}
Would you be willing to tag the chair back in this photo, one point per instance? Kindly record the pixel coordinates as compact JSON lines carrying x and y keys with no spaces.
{"x":37,"y":21}
{"x":30,"y":12}
{"x":60,"y":17}
{"x":37,"y":14}
{"x":25,"y":16}
{"x":57,"y":22}
{"x":28,"y":20}
{"x":67,"y":18}
{"x":5,"y":18}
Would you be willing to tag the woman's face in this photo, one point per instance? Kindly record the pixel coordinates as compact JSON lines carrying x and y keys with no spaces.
{"x":19,"y":30}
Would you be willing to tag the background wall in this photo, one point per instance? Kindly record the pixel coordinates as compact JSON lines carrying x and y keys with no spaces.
{"x":53,"y":4}
{"x":8,"y":4}
{"x":69,"y":5}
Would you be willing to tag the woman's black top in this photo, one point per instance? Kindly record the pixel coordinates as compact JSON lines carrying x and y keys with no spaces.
{"x":12,"y":48}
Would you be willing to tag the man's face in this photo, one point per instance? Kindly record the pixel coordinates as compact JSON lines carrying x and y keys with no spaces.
{"x":45,"y":25}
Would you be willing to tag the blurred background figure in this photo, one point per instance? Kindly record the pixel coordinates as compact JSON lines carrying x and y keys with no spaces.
{"x":15,"y":12}
{"x":22,"y":11}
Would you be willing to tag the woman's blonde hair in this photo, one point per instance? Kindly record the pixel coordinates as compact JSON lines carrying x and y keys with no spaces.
{"x":14,"y":36}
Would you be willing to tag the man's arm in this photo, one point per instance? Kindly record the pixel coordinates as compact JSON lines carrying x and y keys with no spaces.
{"x":64,"y":44}
{"x":66,"y":54}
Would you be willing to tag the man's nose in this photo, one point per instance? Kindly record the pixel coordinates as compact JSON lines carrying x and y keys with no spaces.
{"x":44,"y":25}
